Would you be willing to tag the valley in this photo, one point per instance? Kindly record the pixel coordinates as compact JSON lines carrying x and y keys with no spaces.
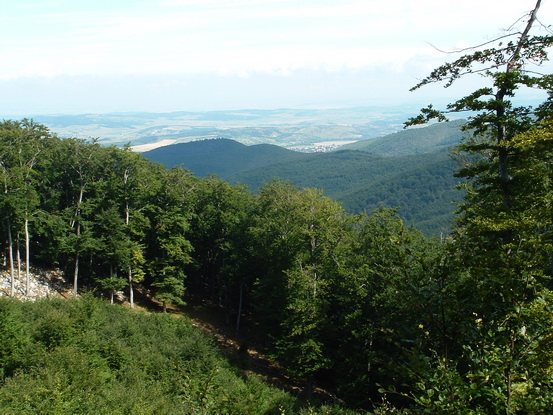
{"x":305,"y":130}
{"x":410,"y":170}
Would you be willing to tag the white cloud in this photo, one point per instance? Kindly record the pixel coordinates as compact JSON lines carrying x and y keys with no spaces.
{"x":242,"y":38}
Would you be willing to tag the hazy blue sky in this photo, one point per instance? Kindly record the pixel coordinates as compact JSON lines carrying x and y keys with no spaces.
{"x":72,"y":56}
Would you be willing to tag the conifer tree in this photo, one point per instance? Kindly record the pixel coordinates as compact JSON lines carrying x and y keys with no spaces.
{"x":500,"y":247}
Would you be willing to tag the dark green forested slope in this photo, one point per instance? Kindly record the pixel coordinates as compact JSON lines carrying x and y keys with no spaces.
{"x":437,"y":137}
{"x":425,"y":195}
{"x":221,"y":156}
{"x":409,"y":170}
{"x":421,"y":186}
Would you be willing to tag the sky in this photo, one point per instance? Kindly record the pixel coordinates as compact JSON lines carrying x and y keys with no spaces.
{"x":82,"y":56}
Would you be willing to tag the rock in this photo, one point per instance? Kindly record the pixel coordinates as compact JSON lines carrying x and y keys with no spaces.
{"x":43,"y":284}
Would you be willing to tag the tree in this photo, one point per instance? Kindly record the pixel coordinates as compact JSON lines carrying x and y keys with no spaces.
{"x":296,"y":234}
{"x":111,"y":231}
{"x":168,"y":249}
{"x":83,"y":167}
{"x":497,"y":119}
{"x":304,"y":345}
{"x":217,"y":232}
{"x":21,"y":143}
{"x":387,"y":285}
{"x":500,"y":246}
{"x":132,"y":181}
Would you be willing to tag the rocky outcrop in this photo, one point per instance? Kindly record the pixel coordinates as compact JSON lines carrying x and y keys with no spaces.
{"x":43,"y":284}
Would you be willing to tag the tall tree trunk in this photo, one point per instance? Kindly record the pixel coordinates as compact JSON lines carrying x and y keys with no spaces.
{"x":239,"y":308}
{"x":127,"y":221}
{"x":27,"y":258}
{"x":131,"y":291}
{"x":502,"y":133}
{"x":10,"y":253}
{"x":309,"y":387}
{"x":111,"y":291}
{"x":18,"y":257}
{"x":77,"y":257}
{"x":76,"y":274}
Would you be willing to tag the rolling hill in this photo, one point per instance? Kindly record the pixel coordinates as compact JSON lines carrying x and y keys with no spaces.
{"x":436,"y":137}
{"x":421,"y":186}
{"x":410,"y":170}
{"x":223,"y":157}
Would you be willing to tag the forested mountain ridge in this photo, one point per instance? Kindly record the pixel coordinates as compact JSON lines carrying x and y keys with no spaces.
{"x":421,"y":186}
{"x":418,"y":180}
{"x":223,"y":157}
{"x":226,"y":157}
{"x":438,"y":137}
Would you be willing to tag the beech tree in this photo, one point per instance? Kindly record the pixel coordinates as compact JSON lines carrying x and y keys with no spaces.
{"x":321,"y":227}
{"x":83,"y":168}
{"x":499,"y":245}
{"x":296,"y":234}
{"x":166,"y":243}
{"x":115,"y":241}
{"x":130,"y":185}
{"x":219,"y":217}
{"x":21,"y":143}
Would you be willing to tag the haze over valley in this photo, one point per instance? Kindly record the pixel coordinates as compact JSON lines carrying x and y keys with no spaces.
{"x":305,"y":130}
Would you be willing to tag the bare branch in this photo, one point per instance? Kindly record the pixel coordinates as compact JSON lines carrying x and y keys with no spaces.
{"x":518,"y":20}
{"x":546,"y":28}
{"x":533,"y":72}
{"x":516,"y":54}
{"x":473,"y":47}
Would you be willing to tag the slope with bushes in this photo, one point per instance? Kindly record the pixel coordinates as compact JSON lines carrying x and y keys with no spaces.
{"x":89,"y":357}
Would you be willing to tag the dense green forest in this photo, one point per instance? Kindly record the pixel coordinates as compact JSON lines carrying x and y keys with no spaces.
{"x":411,"y":170}
{"x":439,"y":137}
{"x":387,"y":319}
{"x":223,"y":157}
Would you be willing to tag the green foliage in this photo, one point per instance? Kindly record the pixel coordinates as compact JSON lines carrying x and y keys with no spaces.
{"x":14,"y":339}
{"x":500,"y":250}
{"x":223,"y":157}
{"x":440,"y":137}
{"x":105,"y":359}
{"x":362,"y":180}
{"x":422,"y":186}
{"x":218,"y":226}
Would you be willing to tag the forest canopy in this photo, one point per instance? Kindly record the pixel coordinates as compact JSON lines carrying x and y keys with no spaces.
{"x":390,"y":320}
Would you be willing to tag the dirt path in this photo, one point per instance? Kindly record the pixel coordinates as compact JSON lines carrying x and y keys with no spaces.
{"x":242,"y":347}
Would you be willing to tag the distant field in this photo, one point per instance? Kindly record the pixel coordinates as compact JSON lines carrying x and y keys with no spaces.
{"x":151,"y":146}
{"x":299,"y":129}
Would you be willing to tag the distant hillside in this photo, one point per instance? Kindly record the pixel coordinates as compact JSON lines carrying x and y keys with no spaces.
{"x":423,"y":193}
{"x":410,"y":170}
{"x":436,"y":137}
{"x":223,"y":157}
{"x":422,"y":186}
